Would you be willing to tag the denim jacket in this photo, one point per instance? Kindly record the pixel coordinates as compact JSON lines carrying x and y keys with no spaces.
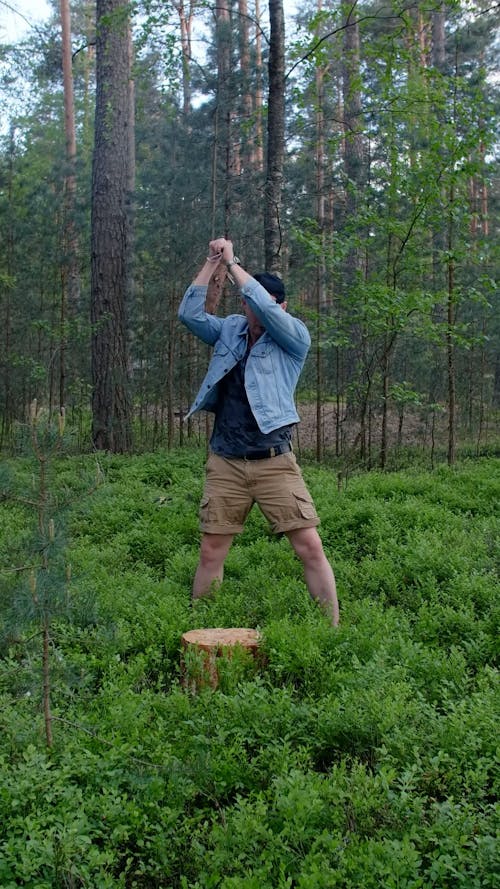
{"x":274,"y":363}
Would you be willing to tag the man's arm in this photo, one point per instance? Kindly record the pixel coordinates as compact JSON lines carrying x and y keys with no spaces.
{"x":213,"y":260}
{"x":213,"y":273}
{"x":238,"y":274}
{"x":290,"y":333}
{"x":193,"y":308}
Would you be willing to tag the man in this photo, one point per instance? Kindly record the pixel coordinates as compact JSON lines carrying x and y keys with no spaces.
{"x":250,"y":385}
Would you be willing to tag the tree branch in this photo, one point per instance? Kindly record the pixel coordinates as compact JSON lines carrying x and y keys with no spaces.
{"x":347,"y":24}
{"x":82,"y":47}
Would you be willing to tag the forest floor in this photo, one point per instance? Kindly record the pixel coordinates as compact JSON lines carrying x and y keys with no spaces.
{"x":416,"y":430}
{"x":360,"y":757}
{"x":420,"y":433}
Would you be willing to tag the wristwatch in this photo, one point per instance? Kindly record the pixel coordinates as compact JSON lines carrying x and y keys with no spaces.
{"x":233,"y":261}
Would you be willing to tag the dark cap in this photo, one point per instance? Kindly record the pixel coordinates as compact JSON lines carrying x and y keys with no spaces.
{"x":273,"y":284}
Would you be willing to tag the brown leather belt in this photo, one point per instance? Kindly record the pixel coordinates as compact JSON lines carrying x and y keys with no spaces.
{"x":269,"y":452}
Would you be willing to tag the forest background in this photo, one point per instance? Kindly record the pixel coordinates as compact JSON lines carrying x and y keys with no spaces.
{"x":357,"y":157}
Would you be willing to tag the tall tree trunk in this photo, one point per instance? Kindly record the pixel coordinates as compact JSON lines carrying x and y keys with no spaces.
{"x":438,"y":51}
{"x":70,"y":289}
{"x":110,"y":267}
{"x":484,"y":199}
{"x":275,"y":139}
{"x":354,"y":180}
{"x":70,"y":135}
{"x":47,"y":709}
{"x":186,"y":22}
{"x":258,"y":158}
{"x":450,"y":345}
{"x":247,"y":147}
{"x":171,"y":371}
{"x":223,"y":113}
{"x":438,"y":57}
{"x":320,"y":265}
{"x":6,"y":360}
{"x":451,"y":302}
{"x":385,"y":364}
{"x":353,"y":145}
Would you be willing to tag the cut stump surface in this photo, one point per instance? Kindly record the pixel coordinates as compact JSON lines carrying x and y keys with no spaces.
{"x":212,"y":644}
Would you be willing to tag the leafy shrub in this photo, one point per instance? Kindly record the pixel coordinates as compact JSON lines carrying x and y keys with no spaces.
{"x":362,"y":756}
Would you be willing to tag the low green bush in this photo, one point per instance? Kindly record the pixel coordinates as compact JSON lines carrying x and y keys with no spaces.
{"x":357,"y":758}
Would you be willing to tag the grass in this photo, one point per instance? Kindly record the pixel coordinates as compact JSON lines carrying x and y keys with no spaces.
{"x":361,"y":757}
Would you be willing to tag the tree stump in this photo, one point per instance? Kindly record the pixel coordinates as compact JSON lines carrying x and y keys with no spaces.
{"x":202,"y":648}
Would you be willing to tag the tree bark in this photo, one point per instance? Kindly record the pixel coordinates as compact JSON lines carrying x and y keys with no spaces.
{"x":258,"y":156}
{"x":47,"y":709}
{"x":111,"y":235}
{"x":450,"y":345}
{"x":275,"y":139}
{"x":224,"y":143}
{"x":353,"y":144}
{"x":247,"y":146}
{"x":6,"y":359}
{"x":354,"y":177}
{"x":70,"y":280}
{"x":438,"y":51}
{"x":186,"y":23}
{"x":320,"y":262}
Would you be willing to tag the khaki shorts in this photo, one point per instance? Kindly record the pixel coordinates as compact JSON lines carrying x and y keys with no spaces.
{"x":232,"y":486}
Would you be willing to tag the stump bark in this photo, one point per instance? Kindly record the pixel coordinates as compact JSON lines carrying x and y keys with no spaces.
{"x":201,"y":650}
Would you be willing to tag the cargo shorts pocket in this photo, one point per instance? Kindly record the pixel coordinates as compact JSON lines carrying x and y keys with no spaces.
{"x":305,"y":505}
{"x":220,"y":513}
{"x":203,"y":512}
{"x":211,"y":512}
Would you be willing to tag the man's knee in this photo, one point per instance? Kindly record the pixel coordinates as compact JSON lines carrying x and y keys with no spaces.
{"x":214,"y":548}
{"x":307,"y":544}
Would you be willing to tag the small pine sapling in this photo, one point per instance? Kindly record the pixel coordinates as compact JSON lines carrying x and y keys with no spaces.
{"x":45,"y":596}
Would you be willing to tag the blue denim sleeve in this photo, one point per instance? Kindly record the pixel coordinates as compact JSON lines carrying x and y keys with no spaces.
{"x":288,"y":332}
{"x":192,"y":313}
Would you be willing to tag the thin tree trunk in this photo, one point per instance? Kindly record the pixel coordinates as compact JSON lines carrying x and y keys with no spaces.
{"x":170,"y":373}
{"x":321,"y":265}
{"x":433,"y":438}
{"x":450,"y":345}
{"x":47,"y":710}
{"x":338,"y":404}
{"x":275,"y":139}
{"x":482,"y":405}
{"x":258,"y":158}
{"x":8,"y":407}
{"x":319,"y":387}
{"x":223,"y":124}
{"x":451,"y":310}
{"x":354,"y":150}
{"x":484,"y":195}
{"x":390,"y":340}
{"x":70,"y":280}
{"x":71,"y":239}
{"x":438,"y":56}
{"x":247,"y":147}
{"x":354,"y":182}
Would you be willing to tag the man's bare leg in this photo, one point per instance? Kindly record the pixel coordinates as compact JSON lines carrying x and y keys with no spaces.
{"x":318,"y":573}
{"x":210,"y":571}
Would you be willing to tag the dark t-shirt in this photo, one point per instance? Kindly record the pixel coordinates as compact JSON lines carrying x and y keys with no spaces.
{"x":235,"y":429}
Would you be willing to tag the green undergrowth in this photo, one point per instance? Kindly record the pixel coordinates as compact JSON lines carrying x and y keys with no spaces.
{"x":356,"y":758}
